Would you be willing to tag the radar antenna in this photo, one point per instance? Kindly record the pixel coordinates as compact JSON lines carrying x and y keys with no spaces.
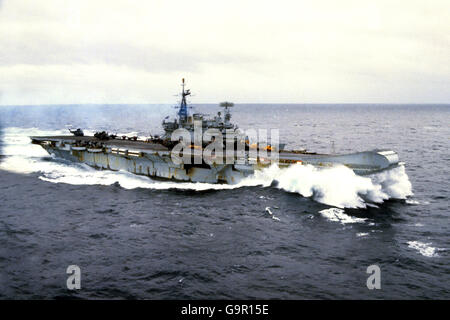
{"x":226,"y":104}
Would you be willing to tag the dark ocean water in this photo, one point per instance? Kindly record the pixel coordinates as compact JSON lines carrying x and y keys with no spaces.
{"x":136,"y":238}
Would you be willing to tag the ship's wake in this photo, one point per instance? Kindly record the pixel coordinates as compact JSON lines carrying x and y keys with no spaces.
{"x":338,"y":186}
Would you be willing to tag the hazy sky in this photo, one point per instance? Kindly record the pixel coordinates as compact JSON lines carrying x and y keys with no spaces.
{"x":114,"y":51}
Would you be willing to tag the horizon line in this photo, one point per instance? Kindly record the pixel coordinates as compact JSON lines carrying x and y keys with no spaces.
{"x":237,"y":103}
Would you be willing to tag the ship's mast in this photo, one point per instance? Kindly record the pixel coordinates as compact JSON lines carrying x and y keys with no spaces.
{"x":183,"y":112}
{"x":227,"y":105}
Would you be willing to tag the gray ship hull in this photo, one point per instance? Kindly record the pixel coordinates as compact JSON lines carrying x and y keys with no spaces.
{"x":154,"y":160}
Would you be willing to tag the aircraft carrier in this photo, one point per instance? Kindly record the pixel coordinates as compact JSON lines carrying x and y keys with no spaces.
{"x":167,"y":158}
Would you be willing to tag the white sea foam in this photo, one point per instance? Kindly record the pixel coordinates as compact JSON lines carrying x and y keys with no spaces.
{"x":424,"y":249}
{"x":339,"y":186}
{"x":362,"y":234}
{"x":339,"y":215}
{"x":416,"y":202}
{"x":271,"y":214}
